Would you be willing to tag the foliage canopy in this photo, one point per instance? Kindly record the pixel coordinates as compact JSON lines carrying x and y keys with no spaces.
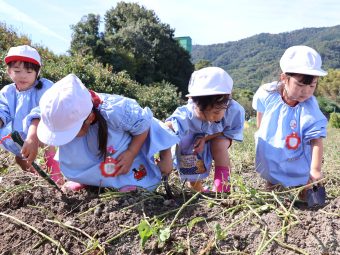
{"x":134,"y":40}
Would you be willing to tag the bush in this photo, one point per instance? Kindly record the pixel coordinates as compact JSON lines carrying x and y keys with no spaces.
{"x":327,"y":106}
{"x":162,"y":98}
{"x":334,"y":120}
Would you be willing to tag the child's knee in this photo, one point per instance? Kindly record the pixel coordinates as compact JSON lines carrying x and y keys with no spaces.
{"x":165,"y":163}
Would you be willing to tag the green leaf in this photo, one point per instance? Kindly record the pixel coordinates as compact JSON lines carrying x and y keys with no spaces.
{"x":253,"y":192}
{"x":145,"y":231}
{"x":164,"y":234}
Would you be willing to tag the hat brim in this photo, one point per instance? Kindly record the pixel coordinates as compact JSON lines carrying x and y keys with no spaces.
{"x":21,"y":58}
{"x":49,"y":137}
{"x":308,"y":72}
{"x":212,"y":93}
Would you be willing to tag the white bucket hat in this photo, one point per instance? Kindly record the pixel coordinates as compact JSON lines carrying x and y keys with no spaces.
{"x":64,"y":107}
{"x":23,"y":53}
{"x":302,"y":60}
{"x":210,"y":81}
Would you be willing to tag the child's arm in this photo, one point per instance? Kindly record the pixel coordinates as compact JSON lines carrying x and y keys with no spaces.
{"x":125,"y":159}
{"x":200,"y":141}
{"x":317,"y":153}
{"x":30,"y":148}
{"x":169,"y":125}
{"x":258,"y":119}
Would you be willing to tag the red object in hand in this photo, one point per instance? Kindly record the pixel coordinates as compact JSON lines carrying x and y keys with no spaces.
{"x":108,"y":167}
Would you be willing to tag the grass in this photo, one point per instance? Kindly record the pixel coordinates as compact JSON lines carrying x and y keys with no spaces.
{"x":246,"y":203}
{"x":243,"y":155}
{"x":331,"y":165}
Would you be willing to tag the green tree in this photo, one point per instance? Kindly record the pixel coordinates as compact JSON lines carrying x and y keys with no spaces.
{"x":329,"y":86}
{"x":86,"y":39}
{"x":202,"y":63}
{"x":334,"y":120}
{"x":134,"y":40}
{"x":244,"y":97}
{"x":327,"y":106}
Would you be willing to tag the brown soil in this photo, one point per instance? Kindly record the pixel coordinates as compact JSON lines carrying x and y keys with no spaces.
{"x":95,"y":221}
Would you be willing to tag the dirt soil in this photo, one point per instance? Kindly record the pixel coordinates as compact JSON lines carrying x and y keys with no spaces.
{"x":37,"y":219}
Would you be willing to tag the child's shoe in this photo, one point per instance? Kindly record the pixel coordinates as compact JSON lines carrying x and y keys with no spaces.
{"x":54,"y":169}
{"x":221,"y":179}
{"x":128,"y":188}
{"x":73,"y":186}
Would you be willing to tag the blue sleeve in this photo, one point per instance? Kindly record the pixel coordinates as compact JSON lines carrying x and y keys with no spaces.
{"x":314,"y":122}
{"x":180,"y":121}
{"x":317,"y":130}
{"x":262,"y":93}
{"x":126,"y":114}
{"x":34,"y":114}
{"x":5,"y":97}
{"x":235,"y":117}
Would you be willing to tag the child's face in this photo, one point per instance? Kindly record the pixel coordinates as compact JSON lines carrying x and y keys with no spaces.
{"x":297,"y":92}
{"x":86,"y":125}
{"x":22,"y":77}
{"x":211,"y":114}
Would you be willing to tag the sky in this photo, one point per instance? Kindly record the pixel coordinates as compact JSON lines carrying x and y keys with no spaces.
{"x":47,"y":22}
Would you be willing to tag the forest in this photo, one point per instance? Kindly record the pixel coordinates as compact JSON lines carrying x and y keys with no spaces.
{"x":255,"y":60}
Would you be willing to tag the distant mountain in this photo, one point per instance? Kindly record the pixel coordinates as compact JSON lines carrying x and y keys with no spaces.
{"x":255,"y":60}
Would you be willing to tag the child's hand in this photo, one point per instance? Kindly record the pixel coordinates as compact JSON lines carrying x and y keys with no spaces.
{"x":125,"y":159}
{"x":199,"y":145}
{"x":315,"y":175}
{"x":124,"y":162}
{"x":30,"y":149}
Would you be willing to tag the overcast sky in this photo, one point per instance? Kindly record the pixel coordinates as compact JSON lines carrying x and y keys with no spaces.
{"x":47,"y":22}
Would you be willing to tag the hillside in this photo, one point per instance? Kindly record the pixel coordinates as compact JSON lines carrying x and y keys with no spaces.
{"x":255,"y":60}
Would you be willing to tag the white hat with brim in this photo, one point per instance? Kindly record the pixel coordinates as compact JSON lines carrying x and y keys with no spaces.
{"x":64,"y":108}
{"x":23,"y":53}
{"x":210,"y":81}
{"x":56,"y":138}
{"x":302,"y":59}
{"x":312,"y":72}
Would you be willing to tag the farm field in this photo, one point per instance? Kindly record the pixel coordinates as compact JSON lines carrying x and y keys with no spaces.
{"x":37,"y":219}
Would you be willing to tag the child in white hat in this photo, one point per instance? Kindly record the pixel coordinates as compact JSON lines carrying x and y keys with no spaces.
{"x":206,"y":127}
{"x":18,"y":101}
{"x":104,"y":140}
{"x":290,"y":124}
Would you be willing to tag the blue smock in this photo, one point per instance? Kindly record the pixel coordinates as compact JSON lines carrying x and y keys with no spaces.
{"x":276,"y":162}
{"x":79,"y":160}
{"x":17,"y":109}
{"x":188,"y":127}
